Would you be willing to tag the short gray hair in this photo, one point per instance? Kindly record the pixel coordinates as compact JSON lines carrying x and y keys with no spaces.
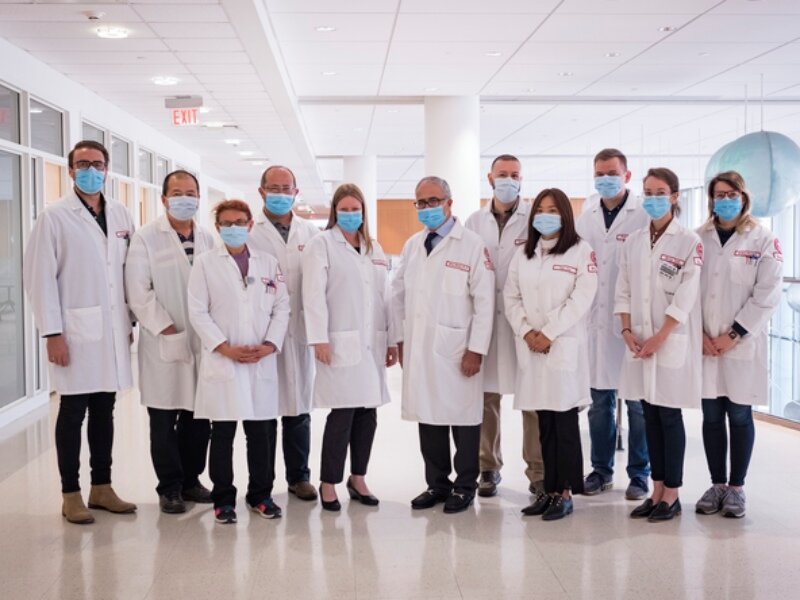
{"x":445,"y":187}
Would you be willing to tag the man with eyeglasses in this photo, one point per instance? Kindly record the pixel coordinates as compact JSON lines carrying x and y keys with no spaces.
{"x":73,"y":275}
{"x":282,"y":234}
{"x":443,"y":308}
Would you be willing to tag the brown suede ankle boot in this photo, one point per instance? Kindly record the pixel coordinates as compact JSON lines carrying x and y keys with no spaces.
{"x":105,"y":498}
{"x":74,"y":510}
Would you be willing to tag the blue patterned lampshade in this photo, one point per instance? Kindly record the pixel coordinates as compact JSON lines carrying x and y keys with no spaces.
{"x":770,"y":165}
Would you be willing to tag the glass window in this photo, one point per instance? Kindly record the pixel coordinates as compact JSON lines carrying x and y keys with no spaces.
{"x":47,"y":129}
{"x":120,"y":156}
{"x":9,"y":115}
{"x":12,"y":366}
{"x":90,"y":132}
{"x":162,"y":169}
{"x":146,"y":166}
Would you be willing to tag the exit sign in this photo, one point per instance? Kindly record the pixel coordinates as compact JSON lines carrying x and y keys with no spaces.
{"x":184,"y":116}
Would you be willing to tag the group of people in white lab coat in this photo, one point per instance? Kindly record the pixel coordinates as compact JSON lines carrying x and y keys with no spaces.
{"x":280,"y":318}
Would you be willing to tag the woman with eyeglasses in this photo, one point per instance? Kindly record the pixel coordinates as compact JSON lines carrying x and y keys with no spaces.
{"x":657,"y":299}
{"x":239,"y":306}
{"x":551,"y":284}
{"x":741,"y":289}
{"x":345,"y":277}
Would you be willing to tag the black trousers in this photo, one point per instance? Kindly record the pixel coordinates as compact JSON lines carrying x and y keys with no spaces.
{"x":296,"y":440}
{"x":353,"y":427}
{"x":434,"y":442}
{"x":178,"y":448}
{"x":260,"y":461}
{"x":560,"y":438}
{"x":715,"y":439}
{"x":100,"y":433}
{"x":666,"y":442}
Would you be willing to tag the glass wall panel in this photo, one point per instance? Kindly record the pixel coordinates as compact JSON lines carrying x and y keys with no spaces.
{"x":47,"y":129}
{"x":9,"y":115}
{"x":120,"y":156}
{"x":90,"y":132}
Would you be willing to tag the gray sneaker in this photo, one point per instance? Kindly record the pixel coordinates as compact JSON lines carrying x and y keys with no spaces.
{"x":596,"y":483}
{"x":637,"y":489}
{"x":711,"y":501}
{"x":733,"y":504}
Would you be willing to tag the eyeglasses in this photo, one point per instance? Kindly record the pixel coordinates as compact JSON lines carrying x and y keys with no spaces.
{"x":280,"y":189}
{"x":85,"y":164}
{"x":429,"y":202}
{"x":732,"y":195}
{"x":239,"y":223}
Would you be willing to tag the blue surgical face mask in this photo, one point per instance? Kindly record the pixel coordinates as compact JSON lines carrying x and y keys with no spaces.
{"x":547,"y":224}
{"x":349,"y":221}
{"x":279,"y":204}
{"x":182,"y":208}
{"x":656,"y":206}
{"x":727,"y":209}
{"x":608,"y":186}
{"x":89,"y":181}
{"x":506,"y":189}
{"x":432,"y":218}
{"x":234,"y":236}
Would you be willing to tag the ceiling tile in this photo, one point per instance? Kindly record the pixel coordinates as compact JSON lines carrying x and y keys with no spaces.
{"x":464,"y":28}
{"x":359,"y":27}
{"x":182,"y":13}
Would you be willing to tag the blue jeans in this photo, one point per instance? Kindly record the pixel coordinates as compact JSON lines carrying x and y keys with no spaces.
{"x":715,"y":439}
{"x":603,"y":434}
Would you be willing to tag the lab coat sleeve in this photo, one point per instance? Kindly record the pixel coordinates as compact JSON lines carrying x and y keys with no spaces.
{"x":686,"y":293}
{"x":391,"y":333}
{"x":315,"y":282}
{"x":766,"y":296}
{"x":481,"y":288}
{"x":41,"y":276}
{"x":622,"y":291}
{"x":139,"y":287}
{"x":397,"y":300}
{"x":579,"y":301}
{"x":199,"y":302}
{"x":279,"y":320}
{"x":512,"y":298}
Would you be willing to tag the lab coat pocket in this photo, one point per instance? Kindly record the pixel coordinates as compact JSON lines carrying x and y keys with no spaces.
{"x":450,"y":342}
{"x":672,"y":354}
{"x":744,"y":350}
{"x":743,"y":272}
{"x":174,"y":348}
{"x":345,"y":348}
{"x":84,"y":324}
{"x":455,"y":282}
{"x":216,"y":367}
{"x":563,"y":355}
{"x":267,"y":367}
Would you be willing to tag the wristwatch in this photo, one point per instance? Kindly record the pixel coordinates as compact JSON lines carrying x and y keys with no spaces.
{"x":732,"y":334}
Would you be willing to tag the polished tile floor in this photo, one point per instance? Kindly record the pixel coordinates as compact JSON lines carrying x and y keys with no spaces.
{"x":491,"y":551}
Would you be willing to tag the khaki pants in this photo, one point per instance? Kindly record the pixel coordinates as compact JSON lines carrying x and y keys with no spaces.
{"x":491,"y":456}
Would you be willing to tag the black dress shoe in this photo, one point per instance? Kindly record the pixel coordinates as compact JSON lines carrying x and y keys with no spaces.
{"x":665,"y":512}
{"x":199,"y":494}
{"x":332,"y":505}
{"x":171,"y":503}
{"x":458,"y":502}
{"x":427,"y":499}
{"x":539,"y":505}
{"x":559,"y":508}
{"x":366,"y":499}
{"x":644,"y":510}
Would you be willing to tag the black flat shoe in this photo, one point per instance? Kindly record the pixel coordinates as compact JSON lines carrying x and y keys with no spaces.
{"x":559,"y":508}
{"x":458,"y":502}
{"x":365,"y":499}
{"x":644,"y":510}
{"x":332,"y":506}
{"x":539,"y":505}
{"x":427,"y":499}
{"x":665,"y":512}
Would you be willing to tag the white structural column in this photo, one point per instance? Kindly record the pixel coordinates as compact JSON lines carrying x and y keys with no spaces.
{"x":452,"y":148}
{"x":363,"y":171}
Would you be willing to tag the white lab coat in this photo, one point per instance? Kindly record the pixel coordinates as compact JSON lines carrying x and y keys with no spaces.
{"x":345,"y":296}
{"x":296,"y":360}
{"x":500,"y":365}
{"x":156,"y":280}
{"x":606,"y":346}
{"x":652,"y":285}
{"x":73,"y":275}
{"x":222,"y":308}
{"x":551,"y":293}
{"x":443,"y":305}
{"x":741,"y":282}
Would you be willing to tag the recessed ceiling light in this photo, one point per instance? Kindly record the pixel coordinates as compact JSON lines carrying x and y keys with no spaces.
{"x":232,"y":142}
{"x":214,"y":124}
{"x":431,"y":89}
{"x":565,"y":74}
{"x":391,"y":110}
{"x":36,"y":111}
{"x":256,"y":163}
{"x":529,"y":90}
{"x":204,"y":110}
{"x":667,"y":28}
{"x":612,"y":54}
{"x":329,"y":73}
{"x":165,"y":80}
{"x":325,"y":28}
{"x":246,"y":153}
{"x":494,"y":53}
{"x":111,"y":33}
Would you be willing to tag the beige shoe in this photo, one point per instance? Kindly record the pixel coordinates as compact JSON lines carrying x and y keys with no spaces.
{"x":104,"y":497}
{"x":74,"y":510}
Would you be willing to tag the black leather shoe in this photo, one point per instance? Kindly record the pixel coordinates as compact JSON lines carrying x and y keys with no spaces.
{"x":367,"y":500}
{"x":644,"y":510}
{"x":559,"y":508}
{"x":171,"y":503}
{"x":427,"y":499}
{"x":458,"y":502}
{"x":332,"y":505}
{"x":539,"y":505}
{"x":199,"y":494}
{"x":488,"y":484}
{"x":665,"y":512}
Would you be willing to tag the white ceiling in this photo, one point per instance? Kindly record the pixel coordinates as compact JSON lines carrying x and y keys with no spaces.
{"x":558,"y":79}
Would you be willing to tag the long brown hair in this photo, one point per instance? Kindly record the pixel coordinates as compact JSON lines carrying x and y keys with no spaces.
{"x":343,"y":191}
{"x":567,"y":237}
{"x":736,"y":181}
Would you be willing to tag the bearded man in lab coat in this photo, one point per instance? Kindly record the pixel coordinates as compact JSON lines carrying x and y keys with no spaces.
{"x":443,"y":310}
{"x":73,"y":273}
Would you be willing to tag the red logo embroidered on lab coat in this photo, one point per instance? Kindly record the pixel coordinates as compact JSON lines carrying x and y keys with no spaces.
{"x":592,"y":266}
{"x":778,"y":254}
{"x":457,"y":265}
{"x":566,"y":269}
{"x":621,"y":237}
{"x":488,"y":262}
